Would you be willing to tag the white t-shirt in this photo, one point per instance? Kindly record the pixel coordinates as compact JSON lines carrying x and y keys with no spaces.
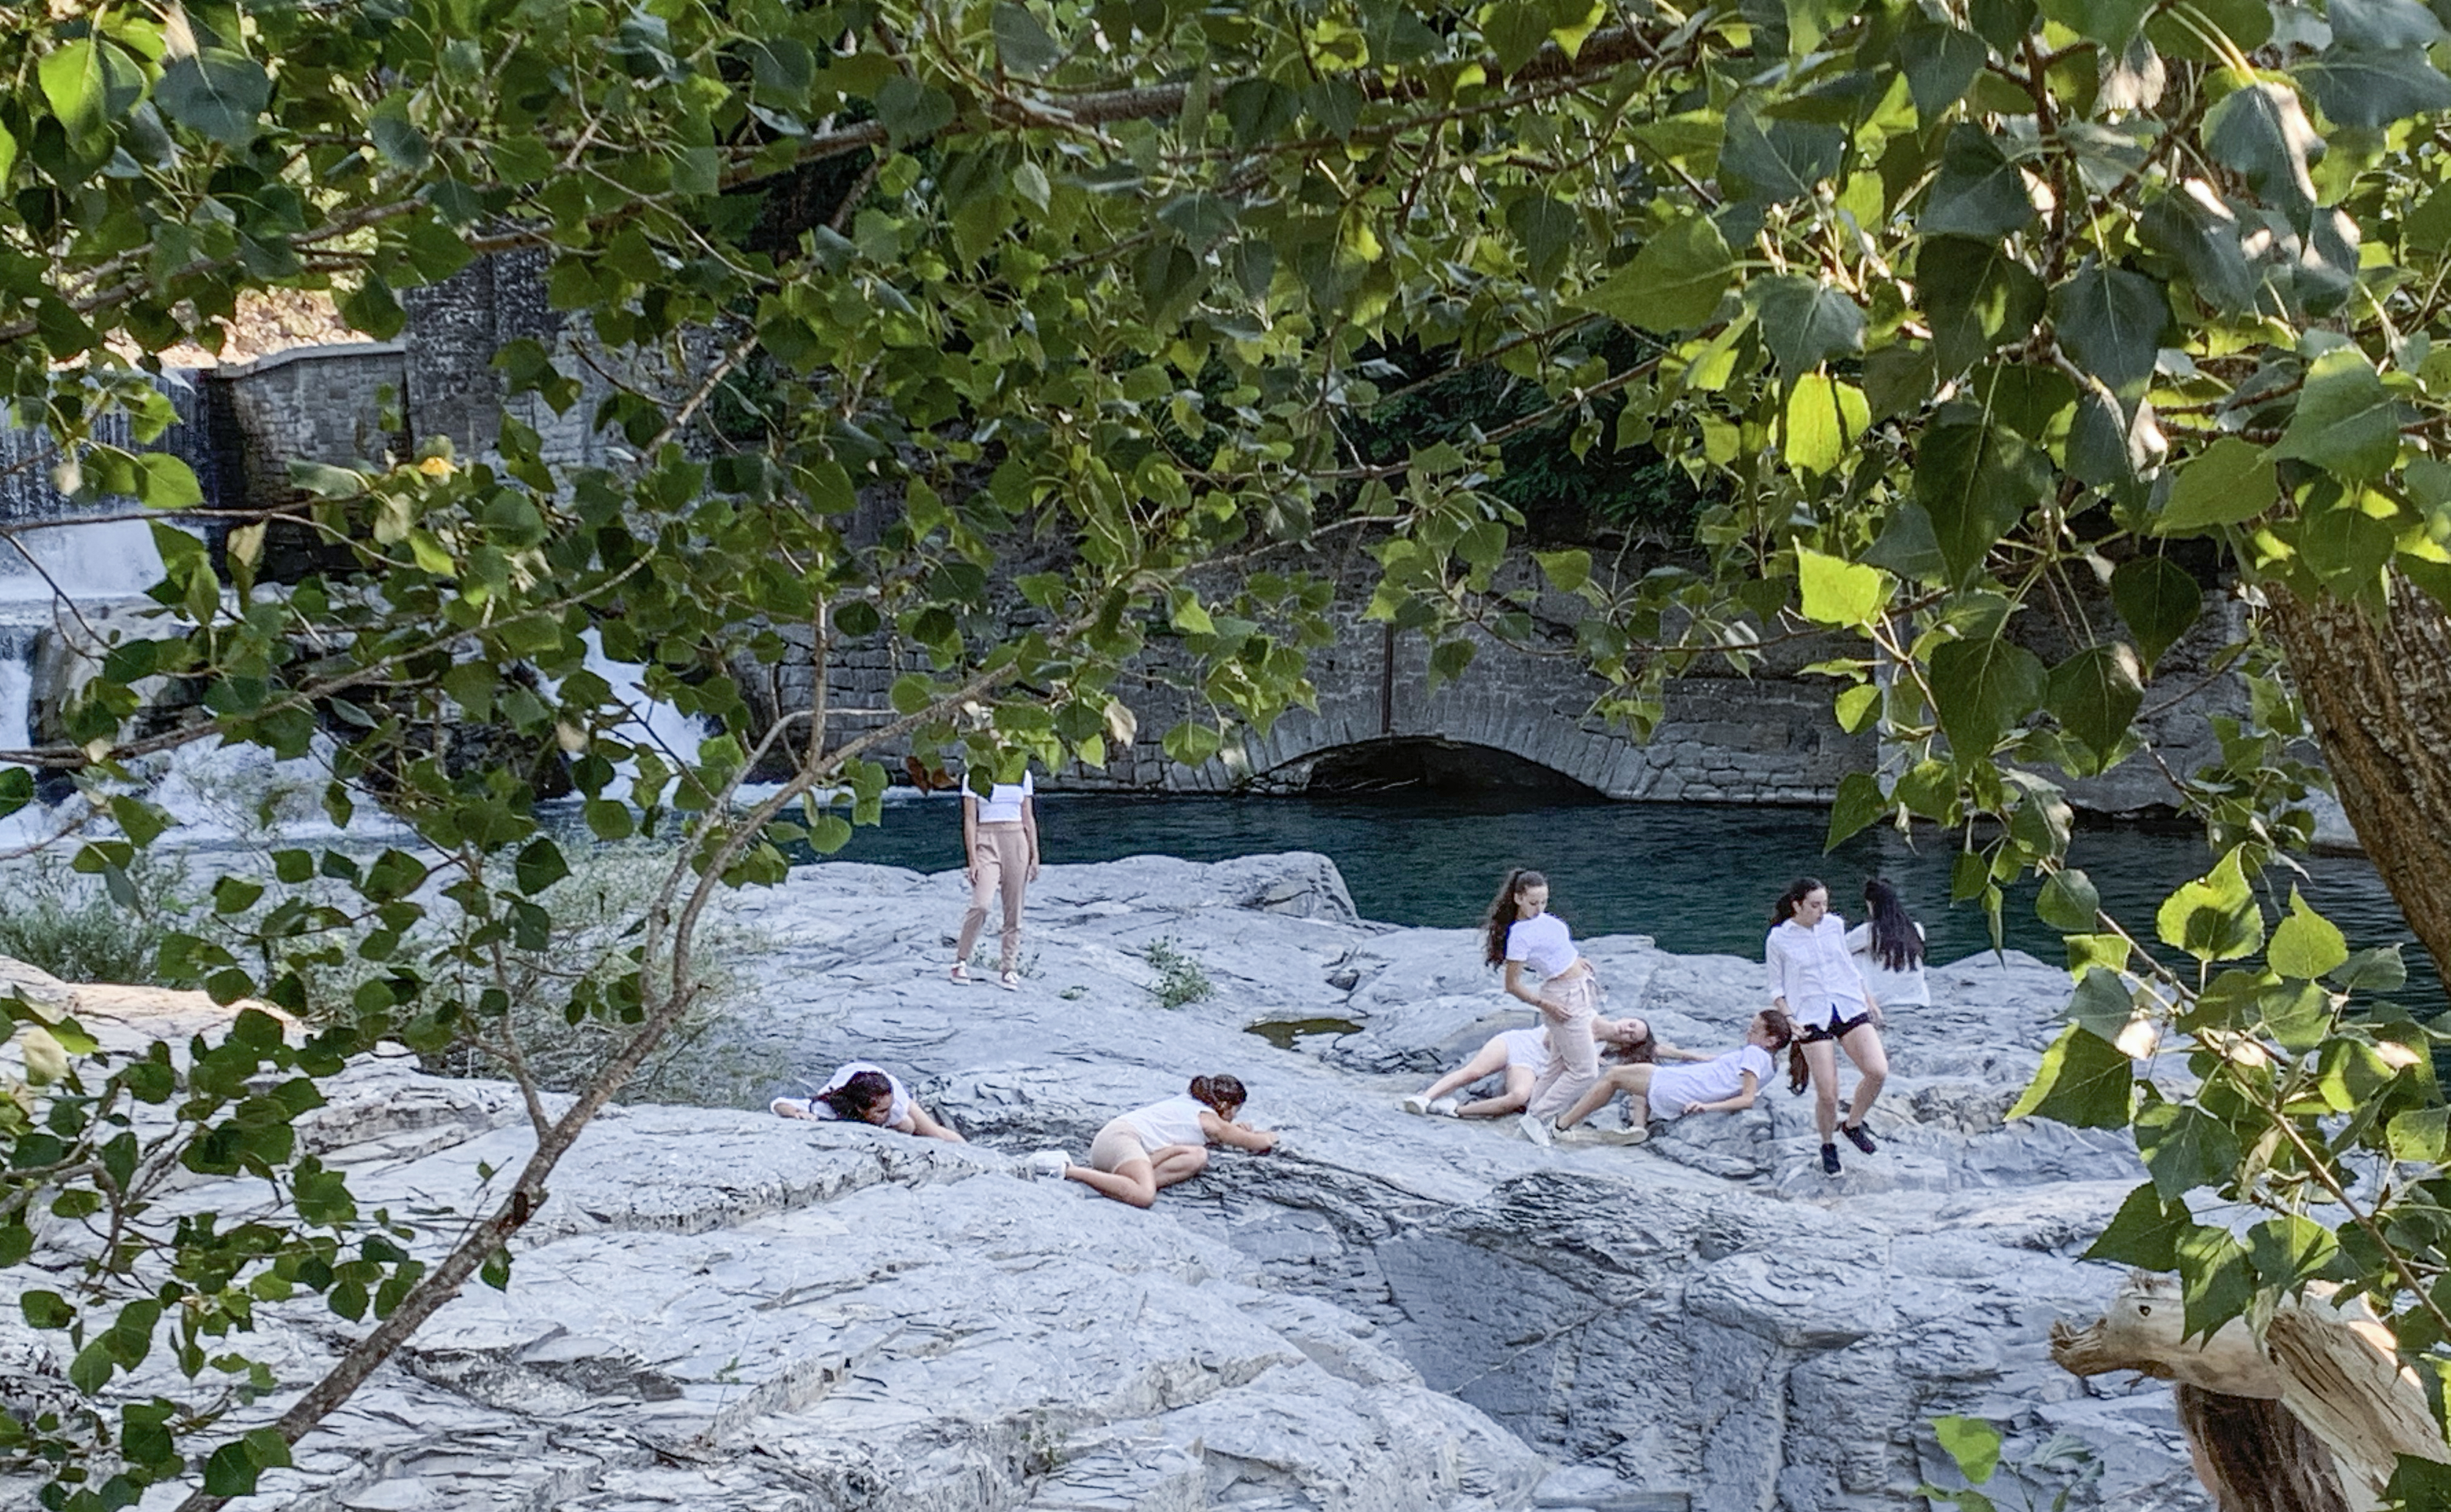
{"x":1543,"y":943}
{"x":1811,"y":969}
{"x":1528,"y":1047}
{"x":1003,"y":806}
{"x":823,"y":1111}
{"x":1890,"y":988}
{"x":1175,"y":1122}
{"x":1673,"y":1087}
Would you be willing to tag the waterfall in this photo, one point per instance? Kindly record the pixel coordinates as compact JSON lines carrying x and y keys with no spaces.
{"x":17,"y":686}
{"x":661,"y":725}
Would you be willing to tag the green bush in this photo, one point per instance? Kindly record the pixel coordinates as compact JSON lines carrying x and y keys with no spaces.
{"x":1180,"y":979}
{"x":71,"y":924}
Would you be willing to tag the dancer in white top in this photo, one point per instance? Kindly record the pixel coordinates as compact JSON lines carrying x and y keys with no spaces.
{"x":1141,"y":1151}
{"x":1520,"y":932}
{"x":864,"y":1092}
{"x":1889,"y":949}
{"x":1522,"y":1055}
{"x":1725,"y":1084}
{"x":1000,"y":838}
{"x":1813,"y":980}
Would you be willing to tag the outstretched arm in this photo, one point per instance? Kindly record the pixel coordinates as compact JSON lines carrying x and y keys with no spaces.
{"x":1743,"y":1100}
{"x":1664,"y":1050}
{"x":926,"y":1127}
{"x":1240,"y":1136}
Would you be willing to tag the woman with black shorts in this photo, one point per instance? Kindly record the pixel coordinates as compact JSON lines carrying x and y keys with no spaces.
{"x":1813,"y":978}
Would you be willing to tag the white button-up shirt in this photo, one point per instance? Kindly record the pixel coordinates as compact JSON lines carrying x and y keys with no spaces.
{"x":1811,"y":969}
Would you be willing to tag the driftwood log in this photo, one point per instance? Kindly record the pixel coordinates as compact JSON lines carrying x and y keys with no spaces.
{"x":2312,"y":1417}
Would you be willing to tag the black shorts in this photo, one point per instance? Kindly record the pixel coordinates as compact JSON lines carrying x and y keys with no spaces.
{"x":1814,"y":1033}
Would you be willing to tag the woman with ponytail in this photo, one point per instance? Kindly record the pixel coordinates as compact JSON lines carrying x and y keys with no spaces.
{"x":1813,"y":980}
{"x":1140,"y":1153}
{"x":1519,"y":933}
{"x":862,"y":1092}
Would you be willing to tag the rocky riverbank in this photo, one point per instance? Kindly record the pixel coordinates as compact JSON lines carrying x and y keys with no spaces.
{"x":720,"y":1310}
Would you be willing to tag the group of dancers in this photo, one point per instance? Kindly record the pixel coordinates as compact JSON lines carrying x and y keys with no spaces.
{"x":1826,"y":987}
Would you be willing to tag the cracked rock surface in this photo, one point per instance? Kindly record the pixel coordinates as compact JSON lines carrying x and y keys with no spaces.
{"x":721,"y":1310}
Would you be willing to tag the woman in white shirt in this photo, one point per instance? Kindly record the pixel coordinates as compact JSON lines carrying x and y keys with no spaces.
{"x":1814,"y":980}
{"x":1889,"y":949}
{"x":1521,"y":934}
{"x":1000,"y":836}
{"x":1522,"y":1055}
{"x":1725,"y":1084}
{"x":864,"y":1092}
{"x":1140,"y":1153}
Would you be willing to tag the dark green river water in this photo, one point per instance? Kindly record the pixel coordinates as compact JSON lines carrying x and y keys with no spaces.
{"x":1695,"y":878}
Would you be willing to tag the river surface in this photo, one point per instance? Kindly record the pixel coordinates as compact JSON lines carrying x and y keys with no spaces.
{"x":1698,"y":878}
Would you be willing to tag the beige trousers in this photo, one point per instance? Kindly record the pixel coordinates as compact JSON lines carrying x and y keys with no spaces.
{"x":1003,"y":864}
{"x":1567,"y":1007}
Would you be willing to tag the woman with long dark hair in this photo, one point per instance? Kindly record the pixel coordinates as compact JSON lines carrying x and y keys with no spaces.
{"x":862,"y":1092}
{"x":1888,"y":947}
{"x":1813,"y":980}
{"x":1521,"y":934}
{"x":1725,"y":1084}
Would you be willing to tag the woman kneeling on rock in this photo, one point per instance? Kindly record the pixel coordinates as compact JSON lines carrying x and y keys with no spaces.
{"x":1523,"y":1056}
{"x":1721,"y":1084}
{"x":861,"y":1092}
{"x":1150,"y":1148}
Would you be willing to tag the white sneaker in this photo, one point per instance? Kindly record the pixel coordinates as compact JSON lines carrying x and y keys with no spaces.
{"x":1444,"y":1107}
{"x":960,"y":975}
{"x":1417,"y":1105}
{"x":1049,"y":1164}
{"x":1009,"y":981}
{"x":1535,"y":1130}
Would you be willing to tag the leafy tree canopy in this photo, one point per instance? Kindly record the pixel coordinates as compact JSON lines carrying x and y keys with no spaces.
{"x":1967,"y":317}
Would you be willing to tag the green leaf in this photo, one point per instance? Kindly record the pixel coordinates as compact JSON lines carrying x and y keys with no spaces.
{"x":1975,"y":482}
{"x":1855,"y":706}
{"x":2345,"y":545}
{"x":1515,"y":31}
{"x":217,"y":92}
{"x":2290,"y":1249}
{"x":2382,"y":25}
{"x":1806,"y":322}
{"x":1546,"y":227}
{"x":1939,"y":62}
{"x":2025,"y":398}
{"x":88,"y":84}
{"x":2184,"y":1148}
{"x":2112,"y":322}
{"x":2157,"y":599}
{"x":1972,"y":1444}
{"x":912,"y":111}
{"x":1984,"y":687}
{"x":1823,"y":424}
{"x":164,"y":482}
{"x":1674,"y":283}
{"x":1978,"y":192}
{"x":2095,"y":694}
{"x":230,"y":1471}
{"x":2377,"y":970}
{"x":1779,"y":162}
{"x":2231,"y":482}
{"x":2068,"y":900}
{"x":1859,"y":803}
{"x":2109,"y":22}
{"x":910,"y":692}
{"x":1838,"y":591}
{"x":2420,"y":1135}
{"x":2214,"y":917}
{"x":1021,"y":42}
{"x":2306,"y":944}
{"x":2262,"y":132}
{"x":2213,"y":1278}
{"x":1978,"y":298}
{"x":1567,"y":571}
{"x":2084,"y":1081}
{"x":2371,"y":89}
{"x":2145,"y":1232}
{"x":45,"y":1310}
{"x":540,"y":867}
{"x":2347,"y":421}
{"x":2101,"y":1003}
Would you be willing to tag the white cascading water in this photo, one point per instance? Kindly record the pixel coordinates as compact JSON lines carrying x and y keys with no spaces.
{"x":87,"y":563}
{"x":661,"y":725}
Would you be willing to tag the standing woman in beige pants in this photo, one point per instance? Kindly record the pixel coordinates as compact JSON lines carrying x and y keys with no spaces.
{"x":1521,"y":934}
{"x":1000,"y":836}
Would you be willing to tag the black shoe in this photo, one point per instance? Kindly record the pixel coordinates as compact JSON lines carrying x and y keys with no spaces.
{"x":1860,"y":1137}
{"x":1830,"y":1159}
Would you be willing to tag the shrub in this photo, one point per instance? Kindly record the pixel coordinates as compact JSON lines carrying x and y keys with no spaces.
{"x":71,"y":924}
{"x":1180,"y":979}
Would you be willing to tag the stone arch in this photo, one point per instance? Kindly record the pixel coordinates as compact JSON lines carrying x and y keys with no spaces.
{"x":1431,"y":764}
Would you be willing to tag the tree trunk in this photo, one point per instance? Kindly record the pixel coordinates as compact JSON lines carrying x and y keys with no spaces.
{"x":2378,"y":690}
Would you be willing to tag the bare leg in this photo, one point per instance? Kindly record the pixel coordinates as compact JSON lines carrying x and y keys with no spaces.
{"x":1489,"y":1062}
{"x":1178,"y":1163}
{"x":1822,"y":1057}
{"x":1137,"y":1180}
{"x":1864,"y":1048}
{"x":1518,"y":1094}
{"x":1636,"y":1079}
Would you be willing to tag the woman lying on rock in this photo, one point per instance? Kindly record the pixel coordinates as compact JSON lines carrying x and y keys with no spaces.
{"x":1150,"y":1148}
{"x":861,"y":1092}
{"x":1725,"y":1084}
{"x":1523,"y":1056}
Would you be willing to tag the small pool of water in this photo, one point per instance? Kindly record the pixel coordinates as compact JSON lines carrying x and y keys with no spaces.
{"x":1696,"y":877}
{"x":1281,"y":1033}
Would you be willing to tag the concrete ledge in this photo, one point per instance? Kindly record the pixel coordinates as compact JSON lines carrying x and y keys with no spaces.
{"x":301,"y":353}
